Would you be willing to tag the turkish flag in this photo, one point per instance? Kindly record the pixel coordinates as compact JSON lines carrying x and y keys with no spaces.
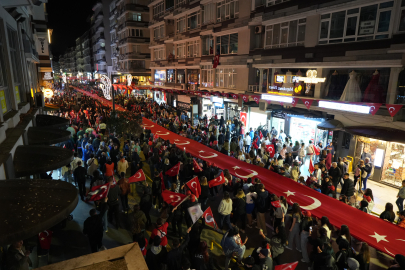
{"x":217,"y":181}
{"x":311,"y":166}
{"x":173,"y":198}
{"x":294,"y":102}
{"x":98,"y":192}
{"x":207,"y":94}
{"x":162,"y":182}
{"x":317,"y":150}
{"x":235,"y":96}
{"x":286,"y":266}
{"x":194,"y":186}
{"x":209,"y":218}
{"x":261,"y":134}
{"x":245,"y":98}
{"x":393,"y":109}
{"x":270,"y":149}
{"x":374,"y":107}
{"x":196,"y":166}
{"x":243,"y":118}
{"x":256,"y":98}
{"x":45,"y":239}
{"x":255,"y":146}
{"x":174,"y":170}
{"x":276,"y":204}
{"x":225,"y":95}
{"x":307,"y":102}
{"x":137,"y":177}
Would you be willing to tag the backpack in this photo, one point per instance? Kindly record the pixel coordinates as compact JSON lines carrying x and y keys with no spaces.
{"x":341,"y":259}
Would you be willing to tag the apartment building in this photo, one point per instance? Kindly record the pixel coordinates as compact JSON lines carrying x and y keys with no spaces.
{"x":98,"y":39}
{"x":130,"y":37}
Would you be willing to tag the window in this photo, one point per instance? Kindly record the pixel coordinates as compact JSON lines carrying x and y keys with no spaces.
{"x":225,"y":78}
{"x":181,"y":50}
{"x":402,"y":18}
{"x":135,"y":32}
{"x":137,"y":17}
{"x":227,"y":44}
{"x":357,"y":24}
{"x":158,"y":32}
{"x":158,"y":9}
{"x":193,"y":21}
{"x":274,"y":2}
{"x":207,"y":76}
{"x":5,"y":103}
{"x":179,"y":3}
{"x":207,"y":45}
{"x":227,"y":9}
{"x":15,"y":63}
{"x":181,"y":24}
{"x":169,"y":4}
{"x":208,"y":13}
{"x":136,"y":48}
{"x":112,"y":6}
{"x":159,"y":53}
{"x":193,"y":48}
{"x":286,"y":34}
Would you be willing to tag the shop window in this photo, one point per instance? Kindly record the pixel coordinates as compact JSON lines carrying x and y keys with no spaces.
{"x":358,"y":24}
{"x":227,"y":44}
{"x":171,"y":75}
{"x":402,"y":17}
{"x":181,"y":75}
{"x":207,"y":76}
{"x":4,"y":90}
{"x":225,"y":78}
{"x":286,"y":34}
{"x":193,"y":48}
{"x":181,"y":50}
{"x":227,"y":9}
{"x":15,"y":63}
{"x":193,"y":20}
{"x":207,"y":45}
{"x":208,"y":13}
{"x":181,"y":25}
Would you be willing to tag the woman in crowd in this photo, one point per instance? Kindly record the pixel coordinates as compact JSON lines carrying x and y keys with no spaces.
{"x":388,"y":213}
{"x":294,"y":236}
{"x":225,"y":210}
{"x":239,"y":210}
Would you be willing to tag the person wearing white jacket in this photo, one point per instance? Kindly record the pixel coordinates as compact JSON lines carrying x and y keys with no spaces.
{"x":225,"y":210}
{"x":248,"y":141}
{"x":301,"y":153}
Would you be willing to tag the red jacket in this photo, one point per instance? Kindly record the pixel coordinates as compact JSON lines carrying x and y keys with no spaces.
{"x":162,"y":232}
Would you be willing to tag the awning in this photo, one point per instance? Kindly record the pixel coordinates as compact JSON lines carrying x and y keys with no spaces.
{"x":379,"y":133}
{"x":33,"y":159}
{"x":43,"y":120}
{"x":46,"y":136}
{"x":32,"y":206}
{"x":331,"y":125}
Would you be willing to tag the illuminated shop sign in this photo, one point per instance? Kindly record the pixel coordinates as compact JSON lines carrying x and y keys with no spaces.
{"x":278,"y":98}
{"x":344,"y":107}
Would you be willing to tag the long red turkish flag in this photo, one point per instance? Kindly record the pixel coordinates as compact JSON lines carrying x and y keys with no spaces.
{"x":378,"y":233}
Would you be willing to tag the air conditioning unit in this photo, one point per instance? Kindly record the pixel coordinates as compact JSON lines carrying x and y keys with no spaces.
{"x":258,"y":29}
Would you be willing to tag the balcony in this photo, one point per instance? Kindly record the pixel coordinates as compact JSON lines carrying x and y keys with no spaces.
{"x":100,"y":29}
{"x":101,"y":61}
{"x":100,"y":51}
{"x":29,"y":50}
{"x":133,"y":40}
{"x":134,"y":55}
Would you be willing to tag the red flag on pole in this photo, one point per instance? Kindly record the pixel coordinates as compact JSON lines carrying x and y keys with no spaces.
{"x":173,"y":198}
{"x":286,"y":266}
{"x":162,"y":182}
{"x":270,"y":149}
{"x":311,"y":166}
{"x":194,"y":186}
{"x":98,"y":192}
{"x":196,"y":166}
{"x":174,"y":170}
{"x":217,"y":181}
{"x":45,"y":239}
{"x":209,"y":218}
{"x":137,"y":177}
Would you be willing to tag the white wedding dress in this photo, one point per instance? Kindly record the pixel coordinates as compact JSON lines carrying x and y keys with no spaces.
{"x":352,"y":90}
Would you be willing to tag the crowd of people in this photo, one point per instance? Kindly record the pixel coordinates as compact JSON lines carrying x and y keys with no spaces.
{"x":244,"y":203}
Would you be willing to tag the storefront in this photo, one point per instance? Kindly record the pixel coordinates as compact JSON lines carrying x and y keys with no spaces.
{"x":159,"y":97}
{"x":278,"y":121}
{"x":181,"y":76}
{"x":304,"y":130}
{"x":171,"y":75}
{"x":232,"y":110}
{"x":218,"y":106}
{"x":207,"y":108}
{"x":160,"y":77}
{"x":256,"y":118}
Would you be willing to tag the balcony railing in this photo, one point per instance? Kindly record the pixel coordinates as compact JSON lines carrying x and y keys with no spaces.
{"x":254,"y":88}
{"x":134,"y":40}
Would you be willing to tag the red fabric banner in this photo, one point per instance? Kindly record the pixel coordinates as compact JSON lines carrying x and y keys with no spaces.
{"x":276,"y":204}
{"x":137,"y":177}
{"x":393,"y":109}
{"x":243,"y":118}
{"x":175,"y":169}
{"x":294,"y":102}
{"x":217,"y":181}
{"x":209,"y":218}
{"x":311,"y":166}
{"x":194,"y":186}
{"x":307,"y":102}
{"x":234,"y":96}
{"x":270,"y":149}
{"x":286,"y":266}
{"x":256,"y":98}
{"x":378,"y":233}
{"x":245,"y":98}
{"x":173,"y":198}
{"x":226,"y":95}
{"x":97,"y":193}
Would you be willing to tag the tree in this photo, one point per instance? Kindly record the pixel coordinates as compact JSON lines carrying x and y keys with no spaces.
{"x":125,"y":122}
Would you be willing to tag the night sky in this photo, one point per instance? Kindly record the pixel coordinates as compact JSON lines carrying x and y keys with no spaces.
{"x":69,"y":20}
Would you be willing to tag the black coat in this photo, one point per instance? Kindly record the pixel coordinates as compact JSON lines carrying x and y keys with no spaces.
{"x":155,"y":261}
{"x":335,"y":173}
{"x":239,"y":206}
{"x":175,"y":255}
{"x":93,"y":225}
{"x":348,"y":188}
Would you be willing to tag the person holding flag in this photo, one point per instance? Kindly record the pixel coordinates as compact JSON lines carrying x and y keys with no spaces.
{"x":157,"y":190}
{"x":113,"y":202}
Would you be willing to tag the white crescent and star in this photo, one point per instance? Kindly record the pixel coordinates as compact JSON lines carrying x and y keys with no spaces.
{"x":138,"y":175}
{"x":173,"y":196}
{"x":195,"y":187}
{"x":162,"y":134}
{"x":254,"y":173}
{"x":146,"y":126}
{"x":379,"y":238}
{"x":289,"y":193}
{"x":312,"y":206}
{"x":210,"y":156}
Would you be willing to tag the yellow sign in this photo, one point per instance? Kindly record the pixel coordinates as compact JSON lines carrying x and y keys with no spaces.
{"x":48,"y":93}
{"x":32,"y":92}
{"x":17,"y":94}
{"x":3,"y":101}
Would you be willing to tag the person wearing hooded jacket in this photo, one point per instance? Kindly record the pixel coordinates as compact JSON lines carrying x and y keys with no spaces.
{"x":156,"y":256}
{"x":174,"y":257}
